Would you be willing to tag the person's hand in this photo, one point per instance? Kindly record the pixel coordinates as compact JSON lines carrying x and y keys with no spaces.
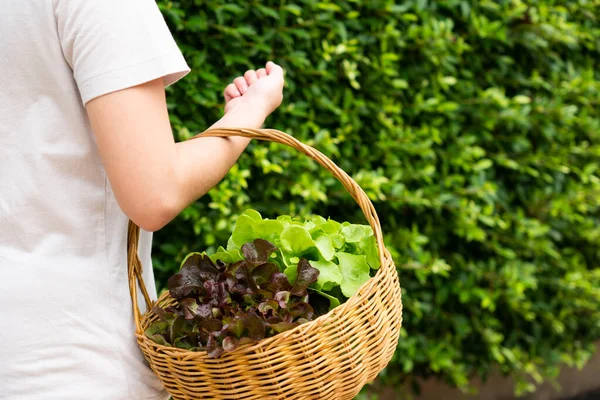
{"x":260,"y":91}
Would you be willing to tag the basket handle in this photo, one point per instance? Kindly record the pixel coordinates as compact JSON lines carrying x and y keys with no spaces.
{"x":269,"y":135}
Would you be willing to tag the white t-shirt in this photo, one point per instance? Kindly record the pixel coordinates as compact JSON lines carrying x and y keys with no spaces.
{"x":66,"y":325}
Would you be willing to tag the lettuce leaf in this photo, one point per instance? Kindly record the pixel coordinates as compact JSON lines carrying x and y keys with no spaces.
{"x":223,"y":302}
{"x":329,"y":276}
{"x":355,"y":272}
{"x":319,"y":240}
{"x":258,"y":286}
{"x":296,"y":239}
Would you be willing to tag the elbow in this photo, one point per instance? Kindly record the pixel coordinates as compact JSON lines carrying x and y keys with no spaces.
{"x":150,"y":224}
{"x":151,"y":199}
{"x":154,"y":215}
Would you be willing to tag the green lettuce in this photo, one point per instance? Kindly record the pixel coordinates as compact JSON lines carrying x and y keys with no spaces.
{"x":345,"y":254}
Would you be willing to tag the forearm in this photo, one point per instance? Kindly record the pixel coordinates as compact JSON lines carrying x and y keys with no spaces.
{"x":201,"y":163}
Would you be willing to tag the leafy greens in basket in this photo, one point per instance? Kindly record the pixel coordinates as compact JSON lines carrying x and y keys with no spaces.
{"x":274,"y":275}
{"x":345,"y":254}
{"x":222,"y":305}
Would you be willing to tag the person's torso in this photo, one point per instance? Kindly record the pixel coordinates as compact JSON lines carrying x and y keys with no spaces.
{"x":66,"y":330}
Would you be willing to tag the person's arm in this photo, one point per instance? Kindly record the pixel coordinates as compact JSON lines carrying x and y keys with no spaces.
{"x":154,"y":178}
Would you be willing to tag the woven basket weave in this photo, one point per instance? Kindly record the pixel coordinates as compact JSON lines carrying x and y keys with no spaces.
{"x":332,"y":357}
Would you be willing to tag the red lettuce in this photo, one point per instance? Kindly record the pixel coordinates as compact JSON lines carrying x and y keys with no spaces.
{"x":220,"y":306}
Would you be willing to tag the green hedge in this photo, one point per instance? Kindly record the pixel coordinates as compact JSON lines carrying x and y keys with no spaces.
{"x":474,"y":126}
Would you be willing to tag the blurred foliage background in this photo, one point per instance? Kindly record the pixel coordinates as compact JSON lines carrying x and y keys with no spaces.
{"x":474,"y":127}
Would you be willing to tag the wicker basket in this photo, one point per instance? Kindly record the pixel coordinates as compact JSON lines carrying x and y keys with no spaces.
{"x":332,"y":357}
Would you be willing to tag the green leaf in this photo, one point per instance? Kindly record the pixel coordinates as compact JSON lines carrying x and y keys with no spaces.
{"x":325,"y":246}
{"x":178,"y":329}
{"x":354,"y":270}
{"x":318,"y":220}
{"x":252,"y":214}
{"x":338,"y":240}
{"x":353,"y":233}
{"x":293,"y":9}
{"x":156,"y":332}
{"x":268,"y":12}
{"x":292,"y":273}
{"x":197,"y":23}
{"x":227,"y":256}
{"x":235,"y":326}
{"x":482,"y":164}
{"x":243,"y":231}
{"x":329,"y":274}
{"x":368,"y":247}
{"x":296,"y":239}
{"x":330,"y":226}
{"x":521,"y":99}
{"x":159,"y":339}
{"x":269,"y":229}
{"x":449,"y":80}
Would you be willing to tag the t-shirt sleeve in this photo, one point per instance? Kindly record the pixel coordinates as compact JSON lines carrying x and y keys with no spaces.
{"x":115,"y":44}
